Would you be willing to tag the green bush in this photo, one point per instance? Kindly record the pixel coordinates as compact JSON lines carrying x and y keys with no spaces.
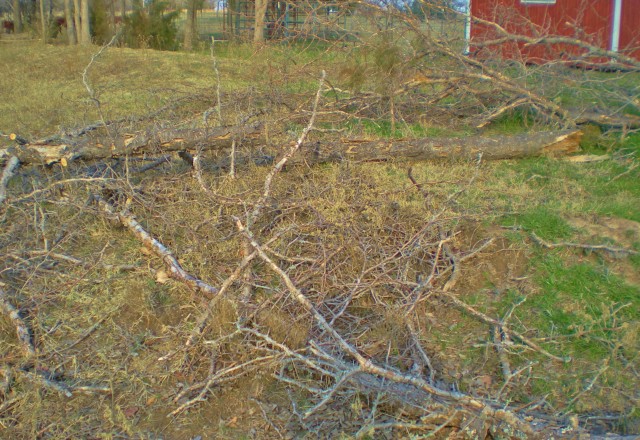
{"x":101,"y":31}
{"x":152,"y":26}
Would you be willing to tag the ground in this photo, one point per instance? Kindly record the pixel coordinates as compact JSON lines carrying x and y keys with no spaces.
{"x":355,"y":238}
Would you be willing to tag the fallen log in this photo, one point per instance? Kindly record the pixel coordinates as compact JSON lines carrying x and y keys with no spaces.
{"x":553,"y":143}
{"x":48,"y":152}
{"x":626,"y":121}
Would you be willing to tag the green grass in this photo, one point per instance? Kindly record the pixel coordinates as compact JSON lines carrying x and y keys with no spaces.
{"x":382,"y":129}
{"x":545,"y":223}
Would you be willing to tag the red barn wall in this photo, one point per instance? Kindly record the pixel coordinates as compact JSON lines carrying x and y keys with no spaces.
{"x":587,"y":20}
{"x":630,"y":28}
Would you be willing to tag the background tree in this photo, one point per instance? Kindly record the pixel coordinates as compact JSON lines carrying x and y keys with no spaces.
{"x":151,"y":26}
{"x":76,"y":19}
{"x":100,"y":22}
{"x":71,"y":28}
{"x":190,"y":27}
{"x":261,"y":11}
{"x":230,"y":16}
{"x":17,"y":16}
{"x":85,"y":29}
{"x":43,"y":22}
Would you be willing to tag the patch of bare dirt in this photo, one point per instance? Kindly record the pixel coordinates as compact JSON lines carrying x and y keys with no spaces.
{"x":497,"y":266}
{"x":624,"y":233}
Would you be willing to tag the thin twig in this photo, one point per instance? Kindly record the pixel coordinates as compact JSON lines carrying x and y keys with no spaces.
{"x":367,"y":365}
{"x":592,"y":247}
{"x":61,"y":183}
{"x":328,"y":395}
{"x":481,"y":316}
{"x":631,"y":168}
{"x":283,"y":161}
{"x":87,"y":332}
{"x":87,"y":85}
{"x":218,"y":377}
{"x":502,"y":355}
{"x":588,"y":388}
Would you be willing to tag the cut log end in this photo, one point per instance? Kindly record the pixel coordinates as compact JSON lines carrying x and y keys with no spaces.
{"x":564,"y":145}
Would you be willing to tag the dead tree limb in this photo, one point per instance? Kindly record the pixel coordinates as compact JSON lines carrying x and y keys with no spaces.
{"x":367,"y":366}
{"x":590,"y":50}
{"x":588,"y":247}
{"x":171,"y":262}
{"x":283,"y":161}
{"x":617,"y":121}
{"x":9,"y":170}
{"x":553,"y":143}
{"x":141,"y":144}
{"x":61,"y":387}
{"x":22,"y":330}
{"x":492,"y":148}
{"x":494,"y":322}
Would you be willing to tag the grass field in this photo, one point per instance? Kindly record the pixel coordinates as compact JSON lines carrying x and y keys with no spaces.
{"x":97,"y":323}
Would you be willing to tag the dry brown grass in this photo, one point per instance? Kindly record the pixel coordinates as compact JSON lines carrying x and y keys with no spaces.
{"x":356,"y":234}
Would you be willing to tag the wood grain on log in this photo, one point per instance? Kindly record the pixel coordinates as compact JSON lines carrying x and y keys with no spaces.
{"x":555,"y":143}
{"x":552,"y":143}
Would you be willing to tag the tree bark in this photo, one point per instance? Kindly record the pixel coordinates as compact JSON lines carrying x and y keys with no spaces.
{"x":112,"y":16}
{"x":230,"y":16}
{"x":43,"y":22}
{"x":261,"y":12}
{"x":76,"y":19}
{"x":85,"y":31}
{"x":17,"y":16}
{"x":491,"y":148}
{"x":190,"y":25}
{"x":71,"y":28}
{"x":628,"y":121}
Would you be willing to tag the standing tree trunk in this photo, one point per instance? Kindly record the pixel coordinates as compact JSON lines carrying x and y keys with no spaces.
{"x":112,"y":16}
{"x":76,"y":19}
{"x":261,"y":12}
{"x":17,"y":16}
{"x":71,"y":28}
{"x":123,"y":9}
{"x":43,"y":22}
{"x":229,"y":15}
{"x":85,"y":30}
{"x":190,"y":24}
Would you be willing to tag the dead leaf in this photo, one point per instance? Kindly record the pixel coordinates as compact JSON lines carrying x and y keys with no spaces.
{"x":162,"y":277}
{"x":483,"y":381}
{"x":145,"y":251}
{"x":130,"y":412}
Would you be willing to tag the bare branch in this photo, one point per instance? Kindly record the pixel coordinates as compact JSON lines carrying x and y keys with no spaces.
{"x":22,"y":330}
{"x":9,"y":170}
{"x":175,"y":269}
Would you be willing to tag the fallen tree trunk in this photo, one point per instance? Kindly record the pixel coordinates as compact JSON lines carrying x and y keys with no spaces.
{"x":626,"y":121}
{"x":48,"y":151}
{"x":552,"y":143}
